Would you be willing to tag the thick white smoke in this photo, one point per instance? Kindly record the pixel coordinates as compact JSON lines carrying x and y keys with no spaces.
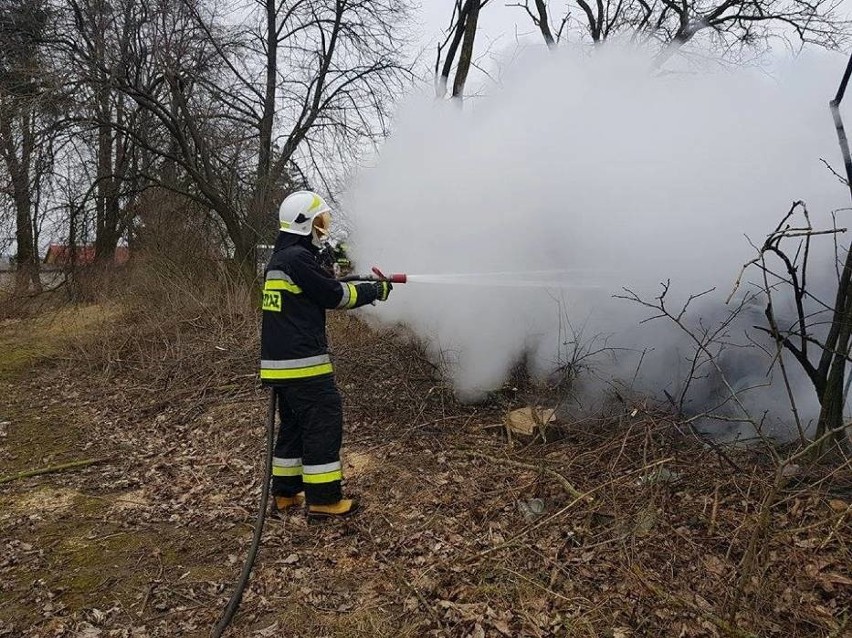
{"x":594,"y":164}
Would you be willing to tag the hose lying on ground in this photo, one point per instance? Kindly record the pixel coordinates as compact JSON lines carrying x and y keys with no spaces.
{"x":237,"y":596}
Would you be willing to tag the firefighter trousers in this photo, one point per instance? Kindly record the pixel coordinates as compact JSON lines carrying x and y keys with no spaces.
{"x":307,"y":451}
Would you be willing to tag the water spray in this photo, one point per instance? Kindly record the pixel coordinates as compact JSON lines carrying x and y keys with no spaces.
{"x":517,"y":279}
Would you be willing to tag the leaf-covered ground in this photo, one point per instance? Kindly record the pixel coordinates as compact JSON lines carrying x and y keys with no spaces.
{"x":644,"y":530}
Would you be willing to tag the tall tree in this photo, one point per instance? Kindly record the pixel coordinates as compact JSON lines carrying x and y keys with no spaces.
{"x":107,"y":119}
{"x":29,"y":122}
{"x":247,"y":107}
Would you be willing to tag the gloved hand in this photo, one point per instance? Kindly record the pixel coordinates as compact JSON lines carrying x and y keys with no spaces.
{"x":383,"y":290}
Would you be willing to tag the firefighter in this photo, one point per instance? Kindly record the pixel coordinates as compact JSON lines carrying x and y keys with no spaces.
{"x":295,"y":359}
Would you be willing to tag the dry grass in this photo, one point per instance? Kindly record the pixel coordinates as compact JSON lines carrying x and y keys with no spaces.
{"x":657,"y":546}
{"x":29,"y":340}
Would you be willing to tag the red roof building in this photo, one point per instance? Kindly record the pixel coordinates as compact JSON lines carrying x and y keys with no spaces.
{"x":61,"y":255}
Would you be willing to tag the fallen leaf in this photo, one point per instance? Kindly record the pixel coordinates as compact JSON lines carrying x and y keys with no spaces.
{"x":837,"y":505}
{"x":714,"y":565}
{"x":836,"y":579}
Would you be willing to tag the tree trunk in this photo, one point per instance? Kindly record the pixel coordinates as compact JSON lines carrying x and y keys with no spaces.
{"x":466,"y":55}
{"x":544,"y":23}
{"x":71,"y":282}
{"x":444,"y":77}
{"x":832,"y":400}
{"x":27,"y":265}
{"x":27,"y":258}
{"x":106,"y":201}
{"x":245,"y":248}
{"x":260,"y":206}
{"x":833,"y":360}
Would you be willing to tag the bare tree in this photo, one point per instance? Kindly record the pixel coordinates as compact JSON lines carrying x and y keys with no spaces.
{"x":109,"y":114}
{"x":461,"y":33}
{"x":821,"y":353}
{"x":30,"y":101}
{"x":728,"y":23}
{"x":245,"y":110}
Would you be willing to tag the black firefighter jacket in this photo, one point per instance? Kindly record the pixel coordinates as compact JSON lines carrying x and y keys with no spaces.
{"x":296,"y":294}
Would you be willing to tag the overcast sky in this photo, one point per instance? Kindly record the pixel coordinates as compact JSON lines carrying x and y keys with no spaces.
{"x":495,"y":21}
{"x":499,"y":27}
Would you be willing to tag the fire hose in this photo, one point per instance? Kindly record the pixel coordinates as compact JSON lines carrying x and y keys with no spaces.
{"x":237,"y":596}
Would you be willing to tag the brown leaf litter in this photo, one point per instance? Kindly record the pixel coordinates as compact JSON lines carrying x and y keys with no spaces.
{"x":653,"y":542}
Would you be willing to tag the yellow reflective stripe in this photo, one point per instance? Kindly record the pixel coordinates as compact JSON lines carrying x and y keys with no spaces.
{"x":281,"y":284}
{"x":285,"y":225}
{"x":353,"y":296}
{"x":296,"y":470}
{"x":325,"y":477}
{"x":296,"y":373}
{"x":316,"y":202}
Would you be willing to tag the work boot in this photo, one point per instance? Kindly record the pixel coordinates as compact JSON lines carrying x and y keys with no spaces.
{"x":283,"y":504}
{"x":344,"y":508}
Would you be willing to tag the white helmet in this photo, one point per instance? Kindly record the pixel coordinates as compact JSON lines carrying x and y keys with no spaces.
{"x":297,"y":213}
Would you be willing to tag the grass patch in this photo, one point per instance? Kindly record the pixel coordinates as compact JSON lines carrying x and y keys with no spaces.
{"x":73,"y":556}
{"x":27,"y":342}
{"x":39,"y":438}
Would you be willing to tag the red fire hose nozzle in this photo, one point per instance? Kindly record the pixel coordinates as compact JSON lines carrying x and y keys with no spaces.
{"x":378,"y":275}
{"x":395,"y":278}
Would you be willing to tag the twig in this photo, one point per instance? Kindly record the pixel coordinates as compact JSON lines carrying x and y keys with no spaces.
{"x":840,"y":177}
{"x":152,"y":586}
{"x":535,"y":584}
{"x":810,"y":233}
{"x":429,"y":607}
{"x":668,"y":598}
{"x":573,"y":491}
{"x":714,"y":512}
{"x":834,"y":528}
{"x":713,"y":444}
{"x":840,"y":628}
{"x":64,"y":467}
{"x":559,"y":513}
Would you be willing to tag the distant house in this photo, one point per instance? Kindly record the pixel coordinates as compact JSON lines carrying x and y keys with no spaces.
{"x":61,"y":255}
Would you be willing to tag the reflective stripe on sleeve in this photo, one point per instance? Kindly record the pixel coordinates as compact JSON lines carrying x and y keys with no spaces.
{"x":344,"y":299}
{"x":353,"y":296}
{"x":286,"y":467}
{"x":349,"y":297}
{"x":325,"y":473}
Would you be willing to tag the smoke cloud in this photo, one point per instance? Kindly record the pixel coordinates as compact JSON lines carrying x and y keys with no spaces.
{"x":619,"y":176}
